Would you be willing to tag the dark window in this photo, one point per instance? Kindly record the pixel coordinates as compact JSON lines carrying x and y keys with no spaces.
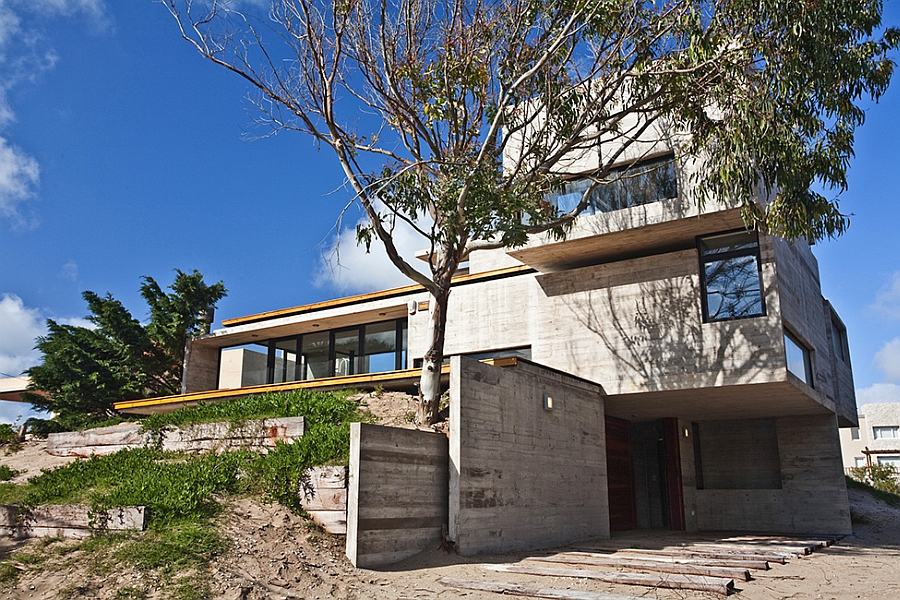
{"x":839,"y":341}
{"x":370,"y":348}
{"x":730,"y":276}
{"x":798,"y":358}
{"x":633,"y":185}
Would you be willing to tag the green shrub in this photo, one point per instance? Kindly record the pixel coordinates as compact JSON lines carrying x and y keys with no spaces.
{"x":888,"y":497}
{"x":6,"y":473}
{"x":885,"y":478}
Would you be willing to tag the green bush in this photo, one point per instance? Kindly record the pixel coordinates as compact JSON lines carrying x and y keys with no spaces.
{"x":6,"y":473}
{"x":885,"y":478}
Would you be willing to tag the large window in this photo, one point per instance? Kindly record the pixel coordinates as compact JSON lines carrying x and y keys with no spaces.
{"x":730,"y":276}
{"x":798,"y":358}
{"x":886,"y":433}
{"x":369,"y":348}
{"x":634,"y":185}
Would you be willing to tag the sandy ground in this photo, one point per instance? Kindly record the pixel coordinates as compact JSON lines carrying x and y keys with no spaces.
{"x":275,"y":554}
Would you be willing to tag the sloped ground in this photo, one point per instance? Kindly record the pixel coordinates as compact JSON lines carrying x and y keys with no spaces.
{"x":274,"y":554}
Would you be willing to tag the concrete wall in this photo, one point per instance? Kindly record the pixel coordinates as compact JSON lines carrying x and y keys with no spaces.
{"x":636,"y":325}
{"x":521,"y":476}
{"x":201,"y":368}
{"x":397,"y":500}
{"x":808,"y":316}
{"x":813,"y":495}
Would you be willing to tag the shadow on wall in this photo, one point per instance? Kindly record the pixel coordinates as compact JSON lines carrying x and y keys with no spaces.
{"x":656,"y":340}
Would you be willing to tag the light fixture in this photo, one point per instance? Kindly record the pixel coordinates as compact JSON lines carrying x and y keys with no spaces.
{"x":548,"y":401}
{"x":412,"y":307}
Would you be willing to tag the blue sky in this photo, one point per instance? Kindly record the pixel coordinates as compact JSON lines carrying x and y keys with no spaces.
{"x":123,"y":153}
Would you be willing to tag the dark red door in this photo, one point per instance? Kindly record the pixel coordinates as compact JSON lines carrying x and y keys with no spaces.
{"x":620,"y":475}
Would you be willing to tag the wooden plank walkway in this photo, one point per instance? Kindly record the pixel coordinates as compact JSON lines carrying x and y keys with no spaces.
{"x":694,"y":563}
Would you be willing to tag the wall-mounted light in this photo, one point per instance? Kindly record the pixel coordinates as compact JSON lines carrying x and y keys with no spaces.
{"x":687,"y":432}
{"x":412,"y":307}
{"x":548,"y":401}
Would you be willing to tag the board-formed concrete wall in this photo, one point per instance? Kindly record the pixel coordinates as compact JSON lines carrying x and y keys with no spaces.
{"x":523,"y":477}
{"x":397,"y":500}
{"x":813,"y":495}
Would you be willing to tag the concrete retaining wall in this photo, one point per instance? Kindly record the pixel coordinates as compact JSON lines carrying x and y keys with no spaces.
{"x":204,"y":437}
{"x":72,"y":521}
{"x":397,"y":501}
{"x":523,"y":477}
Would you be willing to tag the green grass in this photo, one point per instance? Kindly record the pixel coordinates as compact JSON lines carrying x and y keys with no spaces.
{"x":6,"y":473}
{"x":183,"y":493}
{"x":888,"y":497}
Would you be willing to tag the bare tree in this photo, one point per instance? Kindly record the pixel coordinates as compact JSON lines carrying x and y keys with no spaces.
{"x":456,"y":117}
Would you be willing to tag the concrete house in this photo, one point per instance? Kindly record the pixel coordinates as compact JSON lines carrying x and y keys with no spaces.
{"x":674,"y":371}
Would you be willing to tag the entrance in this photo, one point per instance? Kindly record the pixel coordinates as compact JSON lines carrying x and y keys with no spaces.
{"x":644,"y":475}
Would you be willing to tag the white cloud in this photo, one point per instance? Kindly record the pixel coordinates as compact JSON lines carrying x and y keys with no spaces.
{"x":887,"y":300}
{"x":69,"y":271}
{"x":21,"y":326}
{"x":347,"y":268}
{"x":19,"y":174}
{"x":24,"y":55}
{"x":888,"y":359}
{"x":878,"y":393}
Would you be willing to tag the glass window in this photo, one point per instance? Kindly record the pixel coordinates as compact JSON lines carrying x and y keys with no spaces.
{"x":285,"y":367}
{"x":798,"y":359}
{"x":380,"y":349}
{"x":854,"y":433}
{"x":314,"y":356}
{"x":886,"y":433}
{"x":839,"y":341}
{"x":860,"y":461}
{"x":890,"y":459}
{"x":242,"y":366}
{"x":634,"y":185}
{"x":730,"y":276}
{"x":370,"y":348}
{"x":346,"y":352}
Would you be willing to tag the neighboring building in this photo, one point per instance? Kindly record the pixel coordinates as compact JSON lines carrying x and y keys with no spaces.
{"x":726,"y":372}
{"x":11,"y":388}
{"x":877,"y":438}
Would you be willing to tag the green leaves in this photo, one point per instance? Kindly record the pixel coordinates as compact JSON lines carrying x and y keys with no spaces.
{"x":85,"y":370}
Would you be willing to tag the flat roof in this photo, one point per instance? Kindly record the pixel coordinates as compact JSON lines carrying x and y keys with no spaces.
{"x":381,"y":295}
{"x":11,"y":388}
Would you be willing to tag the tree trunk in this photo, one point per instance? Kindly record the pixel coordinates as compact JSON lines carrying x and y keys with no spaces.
{"x":430,"y":385}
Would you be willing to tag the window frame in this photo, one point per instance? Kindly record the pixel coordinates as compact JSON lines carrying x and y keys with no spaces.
{"x":615,"y":174}
{"x":704,"y":259}
{"x":808,"y":364}
{"x":894,"y":429}
{"x":401,"y":328}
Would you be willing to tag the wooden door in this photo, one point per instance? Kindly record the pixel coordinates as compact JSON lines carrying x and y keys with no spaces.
{"x":620,"y":475}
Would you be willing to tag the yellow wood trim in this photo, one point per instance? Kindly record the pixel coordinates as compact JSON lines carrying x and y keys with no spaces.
{"x":383,"y":294}
{"x":343,"y":381}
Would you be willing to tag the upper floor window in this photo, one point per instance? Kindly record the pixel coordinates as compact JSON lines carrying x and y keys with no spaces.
{"x":730,"y":276}
{"x":839,"y":341}
{"x":886,"y":433}
{"x":854,"y":433}
{"x":798,"y":358}
{"x":633,"y":185}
